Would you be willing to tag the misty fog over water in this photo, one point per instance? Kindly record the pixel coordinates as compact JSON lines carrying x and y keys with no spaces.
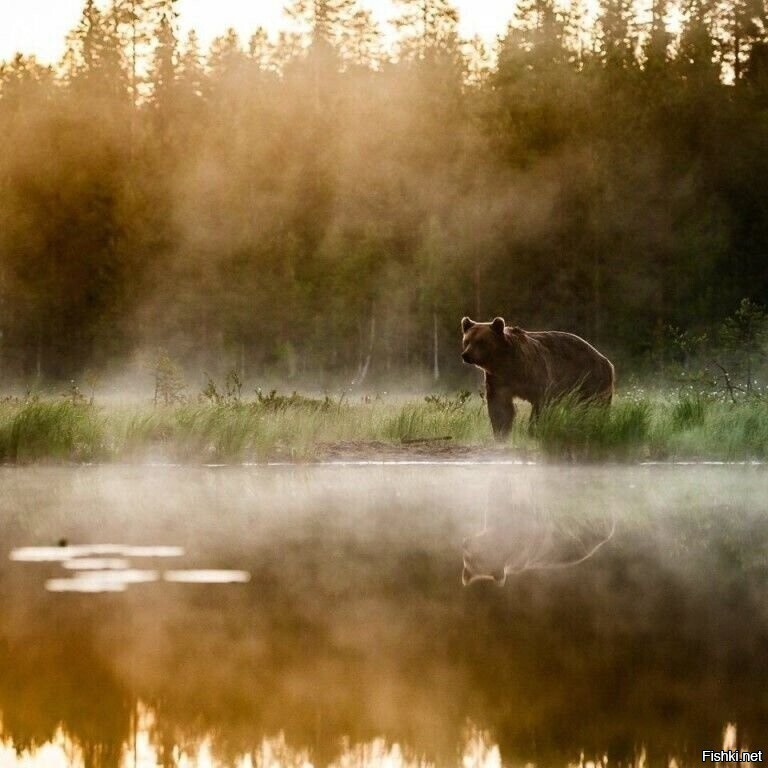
{"x":354,"y":624}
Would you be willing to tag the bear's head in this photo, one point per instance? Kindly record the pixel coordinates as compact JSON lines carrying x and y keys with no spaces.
{"x":483,"y":344}
{"x":530,"y":539}
{"x":483,"y":560}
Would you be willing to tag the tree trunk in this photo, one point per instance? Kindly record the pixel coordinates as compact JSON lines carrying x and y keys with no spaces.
{"x":436,"y":349}
{"x":2,"y":324}
{"x":749,"y":372}
{"x":407,"y":335}
{"x":477,"y":290}
{"x":597,"y":298}
{"x":39,"y":354}
{"x":365,"y":365}
{"x":134,"y":76}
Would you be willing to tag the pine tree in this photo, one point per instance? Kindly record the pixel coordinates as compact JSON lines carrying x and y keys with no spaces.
{"x":89,"y":34}
{"x":426,"y":26}
{"x":697,"y":47}
{"x":260,"y":50}
{"x":617,"y":40}
{"x":191,"y":77}
{"x":534,"y":80}
{"x":23,"y":80}
{"x":361,"y":40}
{"x":656,"y":47}
{"x":478,"y":61}
{"x":93,"y":57}
{"x":226,"y":57}
{"x":538,"y":33}
{"x":744,"y":336}
{"x":288,"y":48}
{"x":756,"y":71}
{"x":321,"y":21}
{"x":137,"y":23}
{"x":163,"y":74}
{"x":747,"y":25}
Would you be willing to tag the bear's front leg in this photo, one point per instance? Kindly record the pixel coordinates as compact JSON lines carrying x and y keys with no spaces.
{"x":501,"y":408}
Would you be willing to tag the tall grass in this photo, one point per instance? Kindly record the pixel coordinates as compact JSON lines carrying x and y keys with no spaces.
{"x":635,"y":427}
{"x":299,"y":429}
{"x":726,"y":431}
{"x":57,"y":430}
{"x":573,"y":430}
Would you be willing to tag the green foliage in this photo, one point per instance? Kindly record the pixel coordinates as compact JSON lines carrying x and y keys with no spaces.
{"x":169,"y":381}
{"x":447,"y":420}
{"x":360,"y":39}
{"x":730,"y":367}
{"x":446,"y":403}
{"x":74,"y":395}
{"x":231,"y":394}
{"x":36,"y":430}
{"x":727,"y":431}
{"x":686,"y":347}
{"x":747,"y":328}
{"x":744,"y":337}
{"x":426,"y":27}
{"x":689,"y":411}
{"x":323,"y":20}
{"x":272,"y":401}
{"x":585,"y":431}
{"x":295,"y":427}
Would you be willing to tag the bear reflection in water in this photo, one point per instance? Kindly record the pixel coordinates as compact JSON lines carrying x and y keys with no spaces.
{"x":531,"y":539}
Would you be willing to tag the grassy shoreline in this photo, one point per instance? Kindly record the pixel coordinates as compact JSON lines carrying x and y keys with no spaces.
{"x":295,"y":428}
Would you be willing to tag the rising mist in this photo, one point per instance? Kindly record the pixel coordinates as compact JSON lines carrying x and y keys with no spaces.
{"x":316,"y":207}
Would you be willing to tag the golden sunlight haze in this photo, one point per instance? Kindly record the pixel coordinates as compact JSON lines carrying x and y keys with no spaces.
{"x":39,"y":26}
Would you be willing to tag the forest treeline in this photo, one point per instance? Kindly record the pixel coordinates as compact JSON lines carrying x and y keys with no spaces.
{"x":324,"y":205}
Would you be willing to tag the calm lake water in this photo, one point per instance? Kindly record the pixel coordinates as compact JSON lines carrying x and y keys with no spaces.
{"x":317,"y":615}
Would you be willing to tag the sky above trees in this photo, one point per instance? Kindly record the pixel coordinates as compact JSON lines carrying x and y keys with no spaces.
{"x":40,"y":26}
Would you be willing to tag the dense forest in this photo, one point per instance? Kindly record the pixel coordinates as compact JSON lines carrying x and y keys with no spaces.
{"x":324,"y":205}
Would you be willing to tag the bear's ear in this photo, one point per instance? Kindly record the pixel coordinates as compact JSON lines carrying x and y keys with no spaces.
{"x":466,"y":324}
{"x":498,"y":325}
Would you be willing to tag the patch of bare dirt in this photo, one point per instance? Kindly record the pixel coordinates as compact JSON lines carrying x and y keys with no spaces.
{"x":424,"y":450}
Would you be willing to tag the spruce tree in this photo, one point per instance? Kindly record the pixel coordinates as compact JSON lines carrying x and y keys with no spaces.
{"x":321,"y":21}
{"x":617,"y":36}
{"x":426,"y":26}
{"x":361,"y":40}
{"x":192,"y":76}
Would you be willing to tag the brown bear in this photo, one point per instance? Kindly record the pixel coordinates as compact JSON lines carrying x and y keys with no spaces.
{"x":537,"y":366}
{"x":529,"y":539}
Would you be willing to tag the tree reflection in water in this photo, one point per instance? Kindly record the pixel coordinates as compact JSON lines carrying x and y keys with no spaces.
{"x":355,"y":629}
